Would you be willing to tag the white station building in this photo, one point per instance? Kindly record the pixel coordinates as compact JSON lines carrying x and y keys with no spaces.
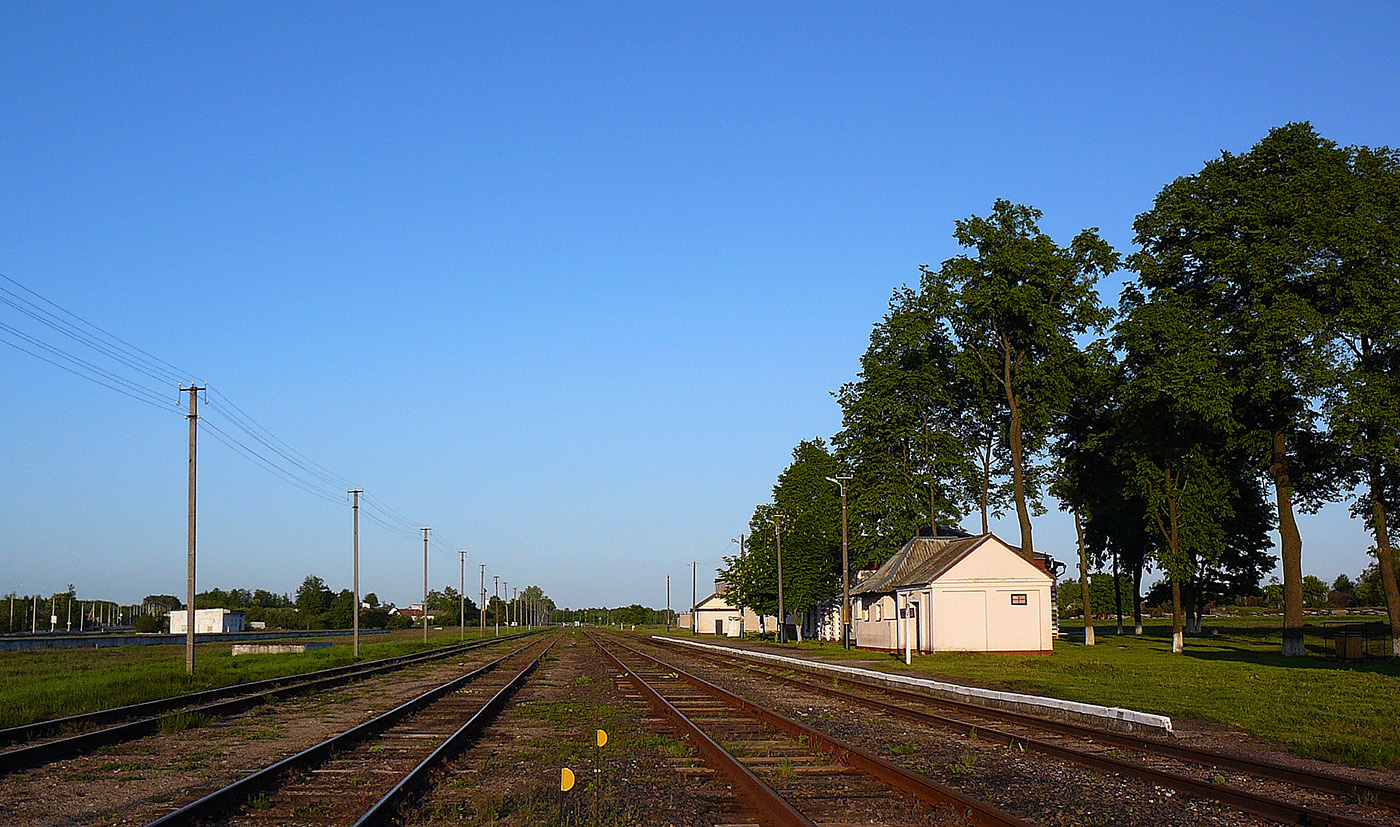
{"x":957,"y":594}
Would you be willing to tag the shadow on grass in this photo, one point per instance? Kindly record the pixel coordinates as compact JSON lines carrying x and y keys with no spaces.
{"x":1260,"y":645}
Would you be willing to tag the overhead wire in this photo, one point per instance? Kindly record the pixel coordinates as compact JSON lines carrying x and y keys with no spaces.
{"x":115,"y":346}
{"x":115,"y":383}
{"x":259,"y":445}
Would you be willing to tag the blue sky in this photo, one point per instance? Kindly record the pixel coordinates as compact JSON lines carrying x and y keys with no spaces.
{"x":565,"y":282}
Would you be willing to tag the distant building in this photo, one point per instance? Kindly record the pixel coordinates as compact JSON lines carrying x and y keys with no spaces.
{"x":957,"y":594}
{"x":715,"y":615}
{"x":414,"y":613}
{"x":208,"y":621}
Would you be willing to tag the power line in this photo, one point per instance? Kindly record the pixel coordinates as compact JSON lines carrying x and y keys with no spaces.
{"x":260,"y":446}
{"x":104,"y":378}
{"x":115,"y":346}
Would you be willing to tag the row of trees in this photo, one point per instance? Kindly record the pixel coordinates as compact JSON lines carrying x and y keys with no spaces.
{"x":1251,"y":369}
{"x":1365,"y":592}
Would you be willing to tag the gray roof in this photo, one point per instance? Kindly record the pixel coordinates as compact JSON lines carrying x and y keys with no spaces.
{"x":919,"y":562}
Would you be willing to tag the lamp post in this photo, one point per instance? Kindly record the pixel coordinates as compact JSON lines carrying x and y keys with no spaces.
{"x":845,"y":565}
{"x":777,"y":520}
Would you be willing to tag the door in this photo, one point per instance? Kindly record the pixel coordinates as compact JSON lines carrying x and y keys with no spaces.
{"x":961,"y":625}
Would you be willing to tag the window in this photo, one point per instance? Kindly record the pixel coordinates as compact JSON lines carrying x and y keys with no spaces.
{"x":1018,"y":600}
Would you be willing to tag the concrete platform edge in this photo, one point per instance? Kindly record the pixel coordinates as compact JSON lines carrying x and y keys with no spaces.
{"x":1110,"y":717}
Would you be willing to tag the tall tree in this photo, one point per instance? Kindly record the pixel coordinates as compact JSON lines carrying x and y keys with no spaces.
{"x":1363,"y":408}
{"x":912,"y":435}
{"x":1246,"y":239}
{"x":1016,"y":307}
{"x":810,"y":510}
{"x":1079,"y":458}
{"x":1178,"y":418}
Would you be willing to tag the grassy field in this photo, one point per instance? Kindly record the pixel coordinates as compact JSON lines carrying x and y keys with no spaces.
{"x":57,"y":682}
{"x":1232,"y":675}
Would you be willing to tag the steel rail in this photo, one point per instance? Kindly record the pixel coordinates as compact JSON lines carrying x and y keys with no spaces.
{"x":1257,"y":805}
{"x":246,"y":697}
{"x":1321,"y":781}
{"x":917,"y":786}
{"x":222,"y":799}
{"x":48,"y":726}
{"x":384,"y":809}
{"x":771,"y":806}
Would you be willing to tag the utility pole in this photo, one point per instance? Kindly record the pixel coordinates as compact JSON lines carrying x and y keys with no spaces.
{"x":740,"y":541}
{"x":841,"y":481}
{"x":462,"y":612}
{"x":193,"y":416}
{"x":497,"y":613}
{"x":777,"y":521}
{"x":506,"y":583}
{"x":481,"y":608}
{"x":694,"y":625}
{"x":668,"y":604}
{"x":356,"y":492}
{"x":425,"y":584}
{"x":515,"y":608}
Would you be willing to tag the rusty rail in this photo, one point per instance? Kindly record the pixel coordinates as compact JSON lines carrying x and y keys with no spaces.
{"x":917,"y":786}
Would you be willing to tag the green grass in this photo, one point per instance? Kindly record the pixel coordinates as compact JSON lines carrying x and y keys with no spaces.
{"x":52,"y":683}
{"x":1232,"y":675}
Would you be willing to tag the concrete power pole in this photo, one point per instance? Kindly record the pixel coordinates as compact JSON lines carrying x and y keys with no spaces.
{"x":694,"y":624}
{"x":668,"y":604}
{"x":481,"y":607}
{"x":193,"y":416}
{"x":425,"y":584}
{"x":497,"y":613}
{"x":462,"y":612}
{"x":356,"y":492}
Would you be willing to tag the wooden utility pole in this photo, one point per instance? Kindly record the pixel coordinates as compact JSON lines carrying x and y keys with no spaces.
{"x":356,"y":492}
{"x":694,"y":624}
{"x":425,"y":584}
{"x":193,"y":416}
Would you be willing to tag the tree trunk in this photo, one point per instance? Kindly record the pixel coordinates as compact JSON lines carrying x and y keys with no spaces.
{"x":1018,"y":477}
{"x":1137,"y":599}
{"x":1177,"y":640}
{"x":1193,"y":606}
{"x":986,"y":485}
{"x":1118,"y":593}
{"x":1084,"y":583}
{"x":1291,"y":546}
{"x":1386,"y":557}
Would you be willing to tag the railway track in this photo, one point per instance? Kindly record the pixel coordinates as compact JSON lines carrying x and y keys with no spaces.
{"x":1261,"y":788}
{"x":58,"y":738}
{"x":782,"y":771}
{"x":363,"y":775}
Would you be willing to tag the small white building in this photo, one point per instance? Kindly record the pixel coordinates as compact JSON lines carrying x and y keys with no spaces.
{"x":208,"y":621}
{"x":957,"y":594}
{"x":717,"y":616}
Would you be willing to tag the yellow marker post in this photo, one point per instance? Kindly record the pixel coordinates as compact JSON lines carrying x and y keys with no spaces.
{"x":566,"y":780}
